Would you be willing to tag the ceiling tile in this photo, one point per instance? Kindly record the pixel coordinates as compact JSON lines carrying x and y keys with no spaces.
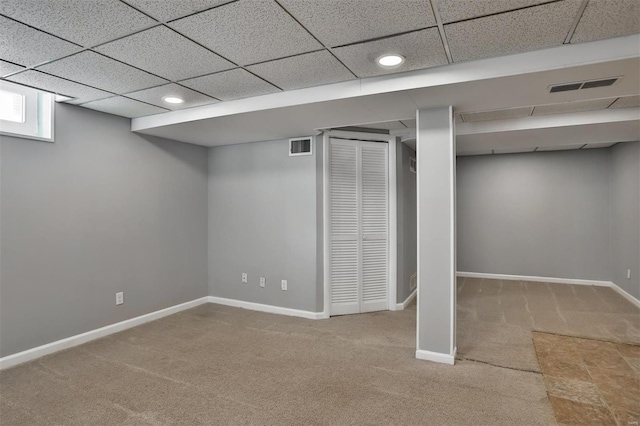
{"x":248,"y":31}
{"x":627,"y":102}
{"x":167,"y":10}
{"x":27,"y":46}
{"x":421,"y":49}
{"x":512,"y":32}
{"x":559,"y":147}
{"x":339,"y":22}
{"x":500,"y":114}
{"x":457,"y":10}
{"x":166,"y":53}
{"x":309,"y":69}
{"x":605,"y":19}
{"x":572,"y":107}
{"x":8,"y":68}
{"x":154,"y":96}
{"x":95,"y":70}
{"x":86,"y":22}
{"x":228,"y":85}
{"x":79,"y":92}
{"x":124,"y":107}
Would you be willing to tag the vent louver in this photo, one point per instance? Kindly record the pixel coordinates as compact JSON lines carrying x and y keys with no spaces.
{"x":566,"y":87}
{"x":300,"y":146}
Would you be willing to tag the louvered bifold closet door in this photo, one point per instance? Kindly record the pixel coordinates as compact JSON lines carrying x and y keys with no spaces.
{"x":374,"y":226}
{"x":344,"y":223}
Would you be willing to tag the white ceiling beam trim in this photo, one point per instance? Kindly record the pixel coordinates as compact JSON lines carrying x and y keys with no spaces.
{"x":524,"y":63}
{"x":550,"y":121}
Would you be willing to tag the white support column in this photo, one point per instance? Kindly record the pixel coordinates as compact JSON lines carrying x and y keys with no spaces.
{"x":436,"y":199}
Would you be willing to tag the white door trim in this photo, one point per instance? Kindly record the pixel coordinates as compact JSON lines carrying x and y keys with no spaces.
{"x":393,"y":224}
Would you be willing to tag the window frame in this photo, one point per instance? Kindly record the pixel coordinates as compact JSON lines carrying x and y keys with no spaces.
{"x":39,"y":113}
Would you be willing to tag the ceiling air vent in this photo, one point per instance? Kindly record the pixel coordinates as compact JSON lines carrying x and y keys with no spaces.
{"x":599,"y":83}
{"x":301,"y":146}
{"x":565,"y":87}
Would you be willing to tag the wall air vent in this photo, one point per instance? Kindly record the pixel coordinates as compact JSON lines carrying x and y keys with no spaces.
{"x":579,"y":85}
{"x":301,"y":146}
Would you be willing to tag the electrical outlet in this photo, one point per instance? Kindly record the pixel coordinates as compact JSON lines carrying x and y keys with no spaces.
{"x":244,"y":277}
{"x":263,"y":281}
{"x":119,"y":298}
{"x":283,"y":285}
{"x":628,"y":274}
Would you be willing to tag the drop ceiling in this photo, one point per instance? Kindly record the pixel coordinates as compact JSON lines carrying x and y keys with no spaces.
{"x":118,"y":56}
{"x":123,"y":56}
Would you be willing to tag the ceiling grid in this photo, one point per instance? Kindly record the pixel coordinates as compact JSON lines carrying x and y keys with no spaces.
{"x":106,"y":53}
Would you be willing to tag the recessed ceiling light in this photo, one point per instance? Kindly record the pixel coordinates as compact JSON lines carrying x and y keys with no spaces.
{"x":172,"y":100}
{"x":390,"y":60}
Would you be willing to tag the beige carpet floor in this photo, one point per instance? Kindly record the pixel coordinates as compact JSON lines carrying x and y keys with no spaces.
{"x":496,"y":317}
{"x":221,"y":365}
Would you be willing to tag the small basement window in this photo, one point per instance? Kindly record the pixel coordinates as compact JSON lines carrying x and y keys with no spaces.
{"x":26,"y":112}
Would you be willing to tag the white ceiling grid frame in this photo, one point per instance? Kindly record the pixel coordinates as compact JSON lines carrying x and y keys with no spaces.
{"x":305,"y":70}
{"x":125,"y":107}
{"x":9,"y":68}
{"x":532,"y":28}
{"x":169,"y":10}
{"x":155,"y":95}
{"x":85,"y":22}
{"x":27,"y":46}
{"x":342,"y":22}
{"x":79,"y":92}
{"x":95,"y":70}
{"x":463,"y":10}
{"x":422,"y":49}
{"x":606,"y":19}
{"x":228,"y":85}
{"x":165,"y":53}
{"x":248,"y":31}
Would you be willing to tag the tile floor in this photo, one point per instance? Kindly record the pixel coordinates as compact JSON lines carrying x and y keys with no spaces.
{"x":590,"y":381}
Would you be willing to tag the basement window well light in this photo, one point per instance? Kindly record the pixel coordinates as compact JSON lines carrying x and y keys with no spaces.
{"x":26,"y":112}
{"x":172,"y":100}
{"x":390,"y":60}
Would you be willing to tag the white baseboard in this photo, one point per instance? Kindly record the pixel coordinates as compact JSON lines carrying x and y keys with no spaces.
{"x":437,"y":357}
{"x":626,"y":295}
{"x":613,"y":285}
{"x":403,"y":305}
{"x":266,"y":308}
{"x":533,"y":278}
{"x":78,"y":339}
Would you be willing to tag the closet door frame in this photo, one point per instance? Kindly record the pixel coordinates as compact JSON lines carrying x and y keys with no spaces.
{"x":392,"y":213}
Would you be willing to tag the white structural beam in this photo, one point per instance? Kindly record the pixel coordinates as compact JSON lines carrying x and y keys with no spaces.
{"x":531,"y":62}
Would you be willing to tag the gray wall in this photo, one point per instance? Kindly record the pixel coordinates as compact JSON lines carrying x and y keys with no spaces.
{"x":625,"y":216}
{"x":407,"y":232}
{"x":99,"y":211}
{"x":539,"y":214}
{"x":263,"y":221}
